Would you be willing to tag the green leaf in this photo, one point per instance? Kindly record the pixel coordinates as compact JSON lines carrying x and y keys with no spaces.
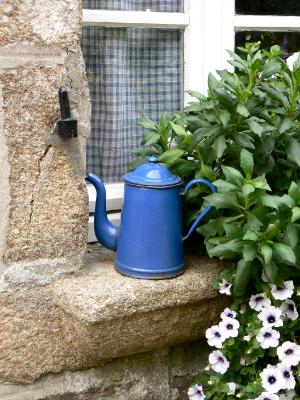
{"x":270,"y":68}
{"x":266,"y":252}
{"x":197,"y":95}
{"x":212,"y":227}
{"x":224,"y":250}
{"x":219,"y":146}
{"x":244,"y":140}
{"x":271,"y":270}
{"x":222,"y":200}
{"x":292,"y":235}
{"x":270,"y":201}
{"x":285,"y":125}
{"x":247,"y":189}
{"x":261,"y":183}
{"x":254,"y":223}
{"x":294,"y":151}
{"x":213,"y":83}
{"x":225,"y":187}
{"x":233,"y":175}
{"x":295,"y":214}
{"x":250,"y":235}
{"x":294,"y":192}
{"x":225,"y":117}
{"x":170,"y":156}
{"x":150,"y":139}
{"x":285,"y":252}
{"x":178,"y":129}
{"x":242,"y":110}
{"x":242,"y":277}
{"x":249,"y":252}
{"x":247,"y":162}
{"x":148,"y":124}
{"x":206,"y":172}
{"x":276,"y":94}
{"x":255,"y":126}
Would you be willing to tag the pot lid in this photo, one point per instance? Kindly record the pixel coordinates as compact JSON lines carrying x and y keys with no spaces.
{"x":152,"y":174}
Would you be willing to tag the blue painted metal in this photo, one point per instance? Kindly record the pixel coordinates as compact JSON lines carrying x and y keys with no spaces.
{"x":149,"y":242}
{"x":105,"y":231}
{"x":152,"y":174}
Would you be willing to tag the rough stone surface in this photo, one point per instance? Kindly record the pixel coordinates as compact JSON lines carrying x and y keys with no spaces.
{"x":159,"y":375}
{"x":39,"y":21}
{"x":44,"y":213}
{"x":79,"y":322}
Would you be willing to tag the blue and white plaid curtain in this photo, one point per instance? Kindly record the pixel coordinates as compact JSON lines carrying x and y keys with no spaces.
{"x":131,"y":71}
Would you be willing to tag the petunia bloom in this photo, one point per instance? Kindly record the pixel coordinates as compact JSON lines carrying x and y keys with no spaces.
{"x":268,"y":337}
{"x":196,"y":393}
{"x":288,"y":378}
{"x":270,"y":316}
{"x":229,"y":327}
{"x":218,"y":362}
{"x":271,"y":379}
{"x":289,"y":354}
{"x":289,"y":310}
{"x":227,"y":313}
{"x":214,"y":336}
{"x":283,"y":293}
{"x":267,"y":396}
{"x":225,"y":287}
{"x":258,"y":301}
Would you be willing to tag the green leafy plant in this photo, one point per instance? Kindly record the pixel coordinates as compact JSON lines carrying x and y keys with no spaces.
{"x":244,"y":135}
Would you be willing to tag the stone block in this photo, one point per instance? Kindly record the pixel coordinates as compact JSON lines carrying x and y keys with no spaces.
{"x":56,"y":22}
{"x":81,"y":321}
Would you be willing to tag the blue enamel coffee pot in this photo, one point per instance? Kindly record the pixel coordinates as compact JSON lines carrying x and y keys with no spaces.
{"x":149,"y":242}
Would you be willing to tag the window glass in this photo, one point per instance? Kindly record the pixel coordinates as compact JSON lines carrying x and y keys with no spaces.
{"x":268,"y":7}
{"x":288,"y":41}
{"x":130,"y":71}
{"x":135,"y":5}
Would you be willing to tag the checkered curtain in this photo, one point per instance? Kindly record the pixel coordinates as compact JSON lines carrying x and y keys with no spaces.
{"x":130,"y":71}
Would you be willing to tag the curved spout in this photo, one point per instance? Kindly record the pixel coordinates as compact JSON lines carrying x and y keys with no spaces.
{"x":105,"y":231}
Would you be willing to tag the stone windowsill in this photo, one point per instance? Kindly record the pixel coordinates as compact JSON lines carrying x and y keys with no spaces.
{"x":130,"y":315}
{"x":86,"y":318}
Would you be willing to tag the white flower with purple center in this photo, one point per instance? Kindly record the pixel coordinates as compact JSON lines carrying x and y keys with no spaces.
{"x":289,"y":310}
{"x":196,"y":393}
{"x":287,"y":395}
{"x":288,"y":378}
{"x":214,"y":336}
{"x":267,"y":396}
{"x":227,"y":313}
{"x":229,"y":327}
{"x":289,"y":354}
{"x":225,"y":287}
{"x":268,"y":337}
{"x":283,"y":293}
{"x":232,"y":388}
{"x":258,"y":301}
{"x":218,"y":362}
{"x":270,"y":316}
{"x":271,"y":379}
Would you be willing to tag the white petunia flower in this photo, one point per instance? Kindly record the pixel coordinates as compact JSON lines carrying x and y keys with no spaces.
{"x":218,"y":362}
{"x":287,"y":395}
{"x":196,"y":393}
{"x":268,"y":337}
{"x":289,"y":354}
{"x":267,"y":396}
{"x":258,"y":301}
{"x":225,"y":287}
{"x":229,"y":327}
{"x":288,"y":378}
{"x":227,"y":313}
{"x":283,"y":293}
{"x":214,"y":336}
{"x":289,"y":310}
{"x":271,"y":378}
{"x":232,"y":387}
{"x":270,"y":316}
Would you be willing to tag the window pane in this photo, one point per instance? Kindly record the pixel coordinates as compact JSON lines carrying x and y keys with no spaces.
{"x":135,"y":5}
{"x":268,"y":7}
{"x":131,"y":71}
{"x":288,"y":41}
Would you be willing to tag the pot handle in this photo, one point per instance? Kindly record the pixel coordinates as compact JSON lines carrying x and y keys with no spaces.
{"x":206,"y":210}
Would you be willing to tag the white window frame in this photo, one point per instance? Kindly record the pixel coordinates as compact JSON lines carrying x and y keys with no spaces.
{"x":208,"y":32}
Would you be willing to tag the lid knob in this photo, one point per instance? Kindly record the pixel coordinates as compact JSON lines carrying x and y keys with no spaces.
{"x":153,"y":159}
